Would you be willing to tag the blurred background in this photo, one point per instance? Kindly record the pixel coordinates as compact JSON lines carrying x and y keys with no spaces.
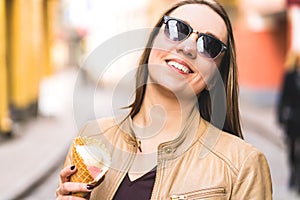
{"x":43,"y":44}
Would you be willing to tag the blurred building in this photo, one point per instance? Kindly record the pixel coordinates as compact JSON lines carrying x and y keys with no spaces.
{"x":5,"y":121}
{"x":261,"y":35}
{"x":293,"y":10}
{"x":27,"y":36}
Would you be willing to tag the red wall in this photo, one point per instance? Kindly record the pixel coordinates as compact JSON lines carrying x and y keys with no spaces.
{"x":261,"y":57}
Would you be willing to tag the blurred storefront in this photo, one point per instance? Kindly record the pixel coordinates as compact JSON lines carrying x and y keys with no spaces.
{"x":27,"y":36}
{"x":293,"y":29}
{"x":93,"y":22}
{"x":5,"y":121}
{"x":25,"y":55}
{"x":261,"y":40}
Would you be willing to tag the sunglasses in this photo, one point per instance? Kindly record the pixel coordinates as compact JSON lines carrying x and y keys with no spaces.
{"x":207,"y":45}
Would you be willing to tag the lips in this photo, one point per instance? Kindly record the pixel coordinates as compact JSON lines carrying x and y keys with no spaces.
{"x":180,"y":66}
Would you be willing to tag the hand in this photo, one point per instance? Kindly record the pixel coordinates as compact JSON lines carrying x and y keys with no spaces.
{"x":66,"y":188}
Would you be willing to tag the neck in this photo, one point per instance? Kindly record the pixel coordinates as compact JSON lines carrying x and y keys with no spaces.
{"x":162,"y":112}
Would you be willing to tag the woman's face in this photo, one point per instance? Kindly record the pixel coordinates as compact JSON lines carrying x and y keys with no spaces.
{"x":167,"y":55}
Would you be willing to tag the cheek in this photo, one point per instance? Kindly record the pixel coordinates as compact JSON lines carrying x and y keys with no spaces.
{"x":154,"y":56}
{"x":160,"y":49}
{"x":207,"y":69}
{"x":206,"y":77}
{"x":161,"y":43}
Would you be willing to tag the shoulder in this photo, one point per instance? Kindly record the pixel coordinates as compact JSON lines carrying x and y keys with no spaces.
{"x":232,"y":150}
{"x":103,"y":125}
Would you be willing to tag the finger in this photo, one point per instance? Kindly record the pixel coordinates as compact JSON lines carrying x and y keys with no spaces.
{"x":66,"y":172}
{"x":71,"y":187}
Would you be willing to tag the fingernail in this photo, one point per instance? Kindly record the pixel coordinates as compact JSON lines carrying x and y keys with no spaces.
{"x":90,"y":187}
{"x":72,"y":167}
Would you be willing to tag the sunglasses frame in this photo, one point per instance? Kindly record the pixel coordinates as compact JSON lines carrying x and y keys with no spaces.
{"x":191,"y":30}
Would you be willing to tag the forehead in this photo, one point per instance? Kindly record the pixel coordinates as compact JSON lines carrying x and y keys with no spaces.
{"x":203,"y":19}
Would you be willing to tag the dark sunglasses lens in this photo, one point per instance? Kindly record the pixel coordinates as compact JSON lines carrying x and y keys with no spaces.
{"x":209,"y":46}
{"x":176,"y":30}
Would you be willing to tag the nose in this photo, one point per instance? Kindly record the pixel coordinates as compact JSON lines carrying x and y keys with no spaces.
{"x":188,"y":46}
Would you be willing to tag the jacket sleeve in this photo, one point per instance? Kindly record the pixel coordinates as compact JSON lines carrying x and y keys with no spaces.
{"x":254,"y":179}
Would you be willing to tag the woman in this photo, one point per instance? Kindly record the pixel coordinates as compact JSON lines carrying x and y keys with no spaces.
{"x":167,"y":147}
{"x":289,"y":116}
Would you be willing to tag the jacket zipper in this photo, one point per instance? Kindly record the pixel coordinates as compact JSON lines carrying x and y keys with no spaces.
{"x":199,"y":194}
{"x":178,"y":197}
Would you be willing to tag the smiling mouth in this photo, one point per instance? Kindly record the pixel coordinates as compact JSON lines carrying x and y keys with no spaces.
{"x":179,"y":66}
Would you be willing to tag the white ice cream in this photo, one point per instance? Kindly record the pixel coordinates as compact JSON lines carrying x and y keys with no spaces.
{"x":93,"y":155}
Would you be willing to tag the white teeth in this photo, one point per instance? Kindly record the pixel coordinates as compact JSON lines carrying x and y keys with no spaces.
{"x":179,"y":66}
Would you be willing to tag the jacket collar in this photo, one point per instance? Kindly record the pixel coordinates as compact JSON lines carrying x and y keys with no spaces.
{"x":191,"y":131}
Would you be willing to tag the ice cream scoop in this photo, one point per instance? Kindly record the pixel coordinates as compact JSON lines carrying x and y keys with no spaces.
{"x":91,"y":159}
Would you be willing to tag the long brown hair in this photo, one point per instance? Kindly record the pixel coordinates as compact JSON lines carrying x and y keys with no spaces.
{"x":228,"y":71}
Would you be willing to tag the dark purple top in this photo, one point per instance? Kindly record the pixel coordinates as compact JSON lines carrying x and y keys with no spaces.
{"x":139,"y":189}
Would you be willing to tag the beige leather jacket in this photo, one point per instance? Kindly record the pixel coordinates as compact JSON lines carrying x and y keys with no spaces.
{"x":202,"y":163}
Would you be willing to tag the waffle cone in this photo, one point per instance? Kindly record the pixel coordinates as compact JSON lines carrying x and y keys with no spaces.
{"x":83,"y":175}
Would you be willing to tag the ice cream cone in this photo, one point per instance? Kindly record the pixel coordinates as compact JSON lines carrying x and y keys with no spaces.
{"x":91,"y":159}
